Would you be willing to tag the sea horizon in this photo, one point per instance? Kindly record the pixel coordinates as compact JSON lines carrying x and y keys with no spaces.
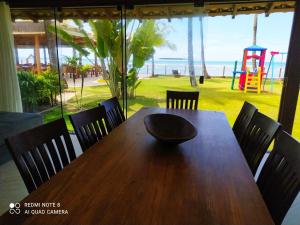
{"x":166,"y":66}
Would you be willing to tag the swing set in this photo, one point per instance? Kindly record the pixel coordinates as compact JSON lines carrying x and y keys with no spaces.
{"x":272,"y":67}
{"x":253,"y":80}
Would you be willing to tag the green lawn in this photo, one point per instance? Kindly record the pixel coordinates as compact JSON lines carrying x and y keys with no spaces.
{"x":215,"y":94}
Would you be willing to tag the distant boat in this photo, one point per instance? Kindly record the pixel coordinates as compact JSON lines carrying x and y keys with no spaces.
{"x":173,"y":58}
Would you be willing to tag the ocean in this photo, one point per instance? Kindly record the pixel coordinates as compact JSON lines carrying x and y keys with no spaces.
{"x":214,"y":68}
{"x":166,"y":66}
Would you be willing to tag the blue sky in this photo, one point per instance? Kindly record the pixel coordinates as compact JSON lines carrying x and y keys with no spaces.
{"x":225,"y":38}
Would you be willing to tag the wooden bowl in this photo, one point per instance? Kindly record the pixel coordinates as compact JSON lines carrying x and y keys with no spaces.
{"x":169,"y":128}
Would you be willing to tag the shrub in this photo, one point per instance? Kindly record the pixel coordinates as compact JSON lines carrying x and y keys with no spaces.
{"x":27,"y":82}
{"x":52,"y":85}
{"x":37,"y":90}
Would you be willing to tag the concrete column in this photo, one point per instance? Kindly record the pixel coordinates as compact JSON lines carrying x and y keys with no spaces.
{"x":10,"y":97}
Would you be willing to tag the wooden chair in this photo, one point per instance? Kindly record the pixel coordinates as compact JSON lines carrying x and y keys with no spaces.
{"x":242,"y":121}
{"x":90,"y":126}
{"x":114,"y":112}
{"x":279,"y":180}
{"x":257,"y":138}
{"x":41,"y":152}
{"x":182,"y":100}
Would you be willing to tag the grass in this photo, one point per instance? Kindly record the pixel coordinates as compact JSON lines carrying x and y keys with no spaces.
{"x":215,"y":94}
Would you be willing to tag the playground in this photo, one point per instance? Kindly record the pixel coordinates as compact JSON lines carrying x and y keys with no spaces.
{"x":253,"y":75}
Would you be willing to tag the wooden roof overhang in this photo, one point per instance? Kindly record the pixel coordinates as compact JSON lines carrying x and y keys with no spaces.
{"x":24,"y":33}
{"x":26,"y":40}
{"x":167,"y":9}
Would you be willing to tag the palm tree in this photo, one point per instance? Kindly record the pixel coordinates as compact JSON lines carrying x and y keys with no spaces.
{"x":152,"y":64}
{"x":204,"y":70}
{"x":191,"y":53}
{"x":51,"y":46}
{"x":254,"y":39}
{"x":106,"y":43}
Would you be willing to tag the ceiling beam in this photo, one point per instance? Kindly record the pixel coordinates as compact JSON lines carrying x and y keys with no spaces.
{"x":80,"y":3}
{"x":154,"y":11}
{"x":270,"y":8}
{"x":199,"y":3}
{"x":234,"y":11}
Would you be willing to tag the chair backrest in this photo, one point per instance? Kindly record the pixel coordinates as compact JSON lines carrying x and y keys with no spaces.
{"x":41,"y":152}
{"x":279,"y":180}
{"x":182,"y":100}
{"x":90,"y":126}
{"x":114,"y":112}
{"x":242,"y":121}
{"x":257,"y":138}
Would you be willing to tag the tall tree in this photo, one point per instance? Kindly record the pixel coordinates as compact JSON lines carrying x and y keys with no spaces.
{"x":254,"y":39}
{"x":204,"y":70}
{"x":191,"y":53}
{"x":153,"y":73}
{"x":51,"y":45}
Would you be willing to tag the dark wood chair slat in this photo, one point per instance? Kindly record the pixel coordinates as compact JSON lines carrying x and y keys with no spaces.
{"x":191,"y":104}
{"x":32,"y":168}
{"x":93,"y":133}
{"x":103,"y":128}
{"x":40,"y":165}
{"x":25,"y":173}
{"x":279,"y":180}
{"x":181,"y":103}
{"x":196,"y":104}
{"x":46,"y":160}
{"x":54,"y":156}
{"x":182,"y":100}
{"x":90,"y":139}
{"x":62,"y":152}
{"x":186,"y":104}
{"x":84,"y":122}
{"x":81,"y":135}
{"x":31,"y":157}
{"x":97,"y":129}
{"x":242,"y":121}
{"x":69,"y":145}
{"x":256,"y":139}
{"x":114,"y":111}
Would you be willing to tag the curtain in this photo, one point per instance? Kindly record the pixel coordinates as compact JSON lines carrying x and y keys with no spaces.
{"x":10,"y":97}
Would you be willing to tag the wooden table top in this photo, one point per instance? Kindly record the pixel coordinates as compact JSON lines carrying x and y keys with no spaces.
{"x":129,"y":178}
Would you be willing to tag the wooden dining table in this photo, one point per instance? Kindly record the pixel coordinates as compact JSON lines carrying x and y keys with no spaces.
{"x":130,"y":178}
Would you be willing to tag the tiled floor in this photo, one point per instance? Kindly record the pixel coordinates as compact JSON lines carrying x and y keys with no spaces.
{"x":12,"y":188}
